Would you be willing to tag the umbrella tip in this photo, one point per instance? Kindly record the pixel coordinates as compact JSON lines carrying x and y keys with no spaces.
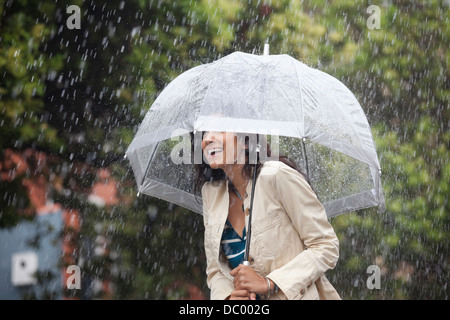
{"x":266,"y":49}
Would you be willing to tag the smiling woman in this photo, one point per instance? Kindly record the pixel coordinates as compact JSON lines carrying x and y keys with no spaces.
{"x":279,"y":96}
{"x":288,"y":219}
{"x":222,"y":148}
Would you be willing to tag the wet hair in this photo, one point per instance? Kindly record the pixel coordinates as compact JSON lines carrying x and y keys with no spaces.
{"x":204,"y":173}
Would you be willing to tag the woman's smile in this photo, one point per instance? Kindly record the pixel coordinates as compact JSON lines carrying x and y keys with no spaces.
{"x":221,"y":149}
{"x":213,"y":152}
{"x":213,"y":145}
{"x":214,"y":155}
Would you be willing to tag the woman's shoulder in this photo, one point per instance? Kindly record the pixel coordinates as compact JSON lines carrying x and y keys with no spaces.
{"x":279,"y":170}
{"x":273,"y":167}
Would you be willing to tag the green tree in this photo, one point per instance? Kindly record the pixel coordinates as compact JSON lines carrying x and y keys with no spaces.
{"x":23,"y":70}
{"x":400,"y":75}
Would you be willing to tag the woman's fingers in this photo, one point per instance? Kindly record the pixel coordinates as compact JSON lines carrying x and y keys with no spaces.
{"x":240,"y":295}
{"x":235,"y":271}
{"x":246,"y":278}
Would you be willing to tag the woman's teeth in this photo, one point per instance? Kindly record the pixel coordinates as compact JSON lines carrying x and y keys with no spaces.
{"x":212,"y":152}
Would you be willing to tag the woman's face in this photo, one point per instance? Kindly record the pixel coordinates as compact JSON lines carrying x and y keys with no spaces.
{"x":221,"y":149}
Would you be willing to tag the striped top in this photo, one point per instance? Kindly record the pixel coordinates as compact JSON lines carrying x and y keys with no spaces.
{"x":233,"y":245}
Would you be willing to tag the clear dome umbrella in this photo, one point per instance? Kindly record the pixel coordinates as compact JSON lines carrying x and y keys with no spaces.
{"x":304,"y":113}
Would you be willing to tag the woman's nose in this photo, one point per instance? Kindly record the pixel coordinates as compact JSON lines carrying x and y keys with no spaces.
{"x":209,"y":136}
{"x":207,"y":139}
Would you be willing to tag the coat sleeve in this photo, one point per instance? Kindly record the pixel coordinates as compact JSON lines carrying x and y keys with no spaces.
{"x":219,"y":285}
{"x":310,"y":221}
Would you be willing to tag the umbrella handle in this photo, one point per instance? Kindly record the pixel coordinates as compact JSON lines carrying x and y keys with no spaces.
{"x":249,"y":229}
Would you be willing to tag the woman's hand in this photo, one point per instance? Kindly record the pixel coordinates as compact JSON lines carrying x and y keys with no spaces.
{"x":242,"y":295}
{"x":245,"y":278}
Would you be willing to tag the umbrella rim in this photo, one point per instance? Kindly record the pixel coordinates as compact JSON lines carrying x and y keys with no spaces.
{"x":288,"y":129}
{"x":357,"y":201}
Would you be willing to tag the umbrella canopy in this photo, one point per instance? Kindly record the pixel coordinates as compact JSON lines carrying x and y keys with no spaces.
{"x":305,"y":113}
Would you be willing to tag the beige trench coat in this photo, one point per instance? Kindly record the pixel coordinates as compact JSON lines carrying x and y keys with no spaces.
{"x":292,"y":241}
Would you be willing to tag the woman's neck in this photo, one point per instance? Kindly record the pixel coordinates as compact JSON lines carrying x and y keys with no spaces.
{"x":234,"y":175}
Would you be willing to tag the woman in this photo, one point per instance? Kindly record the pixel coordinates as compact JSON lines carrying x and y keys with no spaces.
{"x":292,"y":243}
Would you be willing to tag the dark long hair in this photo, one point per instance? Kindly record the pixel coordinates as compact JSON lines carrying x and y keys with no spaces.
{"x":204,"y":173}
